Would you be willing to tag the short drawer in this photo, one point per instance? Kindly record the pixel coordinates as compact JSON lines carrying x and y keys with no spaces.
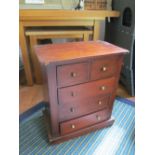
{"x":102,"y":68}
{"x":77,"y":109}
{"x":72,"y":74}
{"x":82,"y":122}
{"x":87,"y":90}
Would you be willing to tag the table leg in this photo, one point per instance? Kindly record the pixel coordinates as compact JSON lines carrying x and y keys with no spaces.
{"x":35,"y":62}
{"x":96,"y":30}
{"x":25,"y":56}
{"x":86,"y":37}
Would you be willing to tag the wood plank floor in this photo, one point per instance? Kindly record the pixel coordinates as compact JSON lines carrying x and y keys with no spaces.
{"x":29,"y":96}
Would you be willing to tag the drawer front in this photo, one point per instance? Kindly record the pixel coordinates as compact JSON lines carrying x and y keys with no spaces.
{"x":82,"y":122}
{"x":103,"y":68}
{"x":72,"y":74}
{"x":87,"y":90}
{"x":80,"y":108}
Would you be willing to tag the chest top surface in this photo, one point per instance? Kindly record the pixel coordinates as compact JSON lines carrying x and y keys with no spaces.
{"x":75,"y":50}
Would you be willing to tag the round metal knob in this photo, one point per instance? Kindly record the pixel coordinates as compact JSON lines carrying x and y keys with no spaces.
{"x":73,"y":74}
{"x":99,"y":102}
{"x":104,"y":68}
{"x":98,"y":118}
{"x":72,"y":94}
{"x":72,"y":110}
{"x":73,"y":126}
{"x":103,"y":87}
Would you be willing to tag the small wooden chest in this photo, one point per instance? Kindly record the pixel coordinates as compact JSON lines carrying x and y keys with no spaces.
{"x":80,"y":81}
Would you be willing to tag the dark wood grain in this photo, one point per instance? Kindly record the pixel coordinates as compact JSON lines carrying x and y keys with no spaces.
{"x":117,"y":75}
{"x":53,"y":106}
{"x":82,"y":91}
{"x":74,"y":98}
{"x":72,"y":74}
{"x":58,"y":139}
{"x":82,"y":122}
{"x":104,"y":67}
{"x":79,"y":108}
{"x":75,"y":50}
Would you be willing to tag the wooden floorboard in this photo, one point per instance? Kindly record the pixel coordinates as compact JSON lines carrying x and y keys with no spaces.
{"x":29,"y":96}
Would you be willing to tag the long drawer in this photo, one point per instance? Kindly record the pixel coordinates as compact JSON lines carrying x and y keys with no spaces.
{"x":82,"y":122}
{"x":83,"y":91}
{"x":79,"y":108}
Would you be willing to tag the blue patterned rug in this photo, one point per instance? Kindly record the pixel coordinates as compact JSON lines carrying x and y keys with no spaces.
{"x":118,"y":139}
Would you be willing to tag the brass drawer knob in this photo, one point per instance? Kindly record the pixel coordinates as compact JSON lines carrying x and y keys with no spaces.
{"x":73,"y":74}
{"x":72,"y":94}
{"x":72,"y":110}
{"x":104,"y":68}
{"x":99,"y":102}
{"x":103,"y":87}
{"x":98,"y":118}
{"x":73,"y":126}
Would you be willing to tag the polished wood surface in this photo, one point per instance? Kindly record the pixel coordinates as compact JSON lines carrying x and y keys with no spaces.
{"x":31,"y":96}
{"x":42,"y":17}
{"x":76,"y":50}
{"x":50,"y":76}
{"x":104,"y":67}
{"x":85,"y":121}
{"x":36,"y":15}
{"x":76,"y":95}
{"x":72,"y":74}
{"x":86,"y":90}
{"x":83,"y":107}
{"x":57,"y":32}
{"x":55,"y":140}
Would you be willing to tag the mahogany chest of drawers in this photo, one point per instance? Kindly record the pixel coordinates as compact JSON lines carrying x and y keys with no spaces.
{"x":80,"y":81}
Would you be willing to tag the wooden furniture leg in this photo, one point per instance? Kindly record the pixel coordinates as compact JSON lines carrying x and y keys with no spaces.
{"x":85,"y":37}
{"x":25,"y":56}
{"x":35,"y":62}
{"x":96,"y":30}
